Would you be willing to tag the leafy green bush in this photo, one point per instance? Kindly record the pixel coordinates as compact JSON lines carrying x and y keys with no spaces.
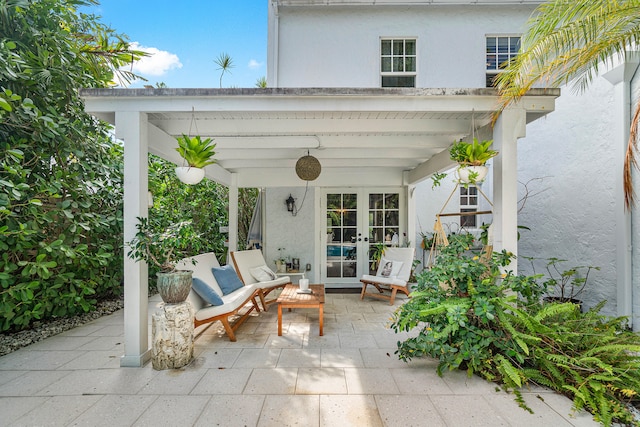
{"x":61,"y":175}
{"x":471,"y":316}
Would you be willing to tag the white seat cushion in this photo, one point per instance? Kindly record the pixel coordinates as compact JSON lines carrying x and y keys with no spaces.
{"x":384,"y":280}
{"x":232,"y":301}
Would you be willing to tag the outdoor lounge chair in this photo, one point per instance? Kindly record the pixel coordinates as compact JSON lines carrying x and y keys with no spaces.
{"x":392,"y":276}
{"x":233,"y":303}
{"x":246,"y":263}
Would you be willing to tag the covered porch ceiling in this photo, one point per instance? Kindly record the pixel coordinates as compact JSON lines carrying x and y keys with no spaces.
{"x":388,"y":136}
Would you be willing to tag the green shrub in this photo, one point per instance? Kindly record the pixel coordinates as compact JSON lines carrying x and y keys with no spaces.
{"x":469,"y":315}
{"x":60,"y":172}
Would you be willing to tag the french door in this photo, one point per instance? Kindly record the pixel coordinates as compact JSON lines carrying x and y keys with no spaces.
{"x":354,"y":222}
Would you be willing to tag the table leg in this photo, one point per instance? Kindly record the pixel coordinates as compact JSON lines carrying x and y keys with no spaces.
{"x":279,"y":320}
{"x":321,"y":310}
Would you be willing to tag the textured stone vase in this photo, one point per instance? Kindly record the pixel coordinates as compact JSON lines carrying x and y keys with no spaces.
{"x":174,"y":287}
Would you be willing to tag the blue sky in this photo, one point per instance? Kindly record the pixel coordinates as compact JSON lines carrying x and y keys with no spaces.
{"x":186,"y":37}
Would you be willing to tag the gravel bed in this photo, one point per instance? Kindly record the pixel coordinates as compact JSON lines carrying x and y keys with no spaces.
{"x":44,"y":329}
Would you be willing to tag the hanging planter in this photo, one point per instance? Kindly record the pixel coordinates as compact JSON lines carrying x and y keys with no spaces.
{"x":472,"y":158}
{"x":189,"y":175}
{"x":197,"y":153}
{"x":471,"y":174}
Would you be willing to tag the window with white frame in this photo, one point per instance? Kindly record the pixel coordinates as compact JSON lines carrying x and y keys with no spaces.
{"x":398,"y":62}
{"x":468,"y":203}
{"x":500,"y":50}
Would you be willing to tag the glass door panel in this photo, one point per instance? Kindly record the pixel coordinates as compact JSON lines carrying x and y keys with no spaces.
{"x":356,"y":221}
{"x":342,"y":228}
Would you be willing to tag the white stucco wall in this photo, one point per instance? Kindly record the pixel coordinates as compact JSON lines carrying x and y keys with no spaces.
{"x":340,"y":46}
{"x":294,"y":233}
{"x":573,"y":218}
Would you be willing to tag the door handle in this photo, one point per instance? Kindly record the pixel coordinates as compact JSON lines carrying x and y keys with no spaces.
{"x":366,"y":239}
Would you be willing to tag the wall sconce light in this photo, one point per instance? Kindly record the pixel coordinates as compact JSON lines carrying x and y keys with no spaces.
{"x":291,"y":205}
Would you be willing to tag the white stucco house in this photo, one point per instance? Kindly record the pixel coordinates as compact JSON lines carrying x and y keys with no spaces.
{"x":377,"y":91}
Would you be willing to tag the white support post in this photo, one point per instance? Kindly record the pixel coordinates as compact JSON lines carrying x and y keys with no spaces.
{"x":233,"y":213}
{"x":620,"y":77}
{"x":131,"y":127}
{"x":509,"y":127}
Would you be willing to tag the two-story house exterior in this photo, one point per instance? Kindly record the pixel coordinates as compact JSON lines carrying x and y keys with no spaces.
{"x":377,"y":91}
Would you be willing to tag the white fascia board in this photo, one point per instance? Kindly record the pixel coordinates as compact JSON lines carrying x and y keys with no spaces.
{"x":336,"y":177}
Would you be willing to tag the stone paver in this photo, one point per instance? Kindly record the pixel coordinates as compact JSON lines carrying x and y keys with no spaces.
{"x":348,"y":377}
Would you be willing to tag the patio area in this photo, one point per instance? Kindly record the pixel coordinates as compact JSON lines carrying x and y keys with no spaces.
{"x":348,"y":377}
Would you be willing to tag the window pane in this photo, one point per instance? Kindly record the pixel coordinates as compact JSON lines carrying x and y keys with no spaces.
{"x":386,"y":47}
{"x":490,"y":80}
{"x":350,"y":201}
{"x":385,"y":64}
{"x":503,"y":44}
{"x":410,"y":47}
{"x":349,"y":235}
{"x":398,"y":81}
{"x":398,"y":47}
{"x":392,"y":201}
{"x":350,"y":218}
{"x":398,"y":64}
{"x":503,"y":60}
{"x":375,"y":234}
{"x":391,"y":218}
{"x":333,"y":219}
{"x":349,"y":269}
{"x":334,"y":201}
{"x":377,"y":218}
{"x":491,"y":45}
{"x":473,"y":200}
{"x":492,"y":62}
{"x":375,"y":201}
{"x":514,"y":44}
{"x":410,"y":63}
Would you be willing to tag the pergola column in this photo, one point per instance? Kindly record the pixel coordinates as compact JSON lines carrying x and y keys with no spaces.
{"x":508,"y":128}
{"x":233,"y":213}
{"x":131,"y":127}
{"x":620,"y":77}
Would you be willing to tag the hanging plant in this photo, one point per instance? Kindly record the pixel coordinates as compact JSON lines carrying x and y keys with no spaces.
{"x":197,"y":153}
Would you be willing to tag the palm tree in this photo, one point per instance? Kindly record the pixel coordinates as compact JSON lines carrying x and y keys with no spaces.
{"x":569,"y":41}
{"x":224,"y":63}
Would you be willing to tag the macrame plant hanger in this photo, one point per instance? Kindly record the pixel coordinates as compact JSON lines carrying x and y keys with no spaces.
{"x":439,"y":234}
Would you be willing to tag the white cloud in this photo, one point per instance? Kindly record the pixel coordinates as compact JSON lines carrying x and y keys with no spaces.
{"x":157,"y":63}
{"x":253,"y":64}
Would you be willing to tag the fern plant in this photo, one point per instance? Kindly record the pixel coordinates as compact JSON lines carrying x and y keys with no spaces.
{"x":469,"y":315}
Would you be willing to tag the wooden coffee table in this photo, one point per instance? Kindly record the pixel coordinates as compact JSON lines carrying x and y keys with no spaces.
{"x":290,"y":298}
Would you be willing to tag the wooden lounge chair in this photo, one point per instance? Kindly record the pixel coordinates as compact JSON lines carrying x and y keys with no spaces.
{"x":392,"y":276}
{"x":244,"y":262}
{"x":233,"y":303}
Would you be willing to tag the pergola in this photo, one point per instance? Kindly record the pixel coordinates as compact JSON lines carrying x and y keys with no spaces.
{"x":361,"y":136}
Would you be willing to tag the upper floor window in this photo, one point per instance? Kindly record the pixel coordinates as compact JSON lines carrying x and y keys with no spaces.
{"x":398,"y":62}
{"x":500,"y":50}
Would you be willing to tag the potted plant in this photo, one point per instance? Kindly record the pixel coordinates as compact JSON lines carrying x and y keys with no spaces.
{"x":472,"y":158}
{"x":197,"y":153}
{"x":563,"y":285}
{"x":163,"y":250}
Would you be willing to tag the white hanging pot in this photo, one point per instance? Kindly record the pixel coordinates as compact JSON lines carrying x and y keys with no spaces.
{"x":189,"y":175}
{"x":472,"y":174}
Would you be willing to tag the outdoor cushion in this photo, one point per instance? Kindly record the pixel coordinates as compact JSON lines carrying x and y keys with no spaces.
{"x":262,"y":273}
{"x":227,"y":279}
{"x":206,"y":292}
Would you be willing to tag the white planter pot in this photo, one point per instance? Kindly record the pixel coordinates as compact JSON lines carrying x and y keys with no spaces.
{"x":472,"y":174}
{"x":189,"y":175}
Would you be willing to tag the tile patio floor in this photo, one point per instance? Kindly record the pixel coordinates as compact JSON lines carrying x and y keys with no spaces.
{"x":349,"y":377}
